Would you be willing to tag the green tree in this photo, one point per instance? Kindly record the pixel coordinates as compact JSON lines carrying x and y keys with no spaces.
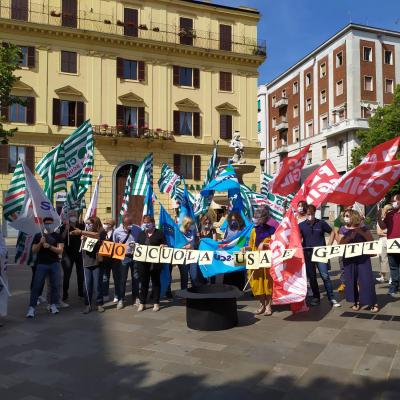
{"x":10,"y":56}
{"x":383,"y":126}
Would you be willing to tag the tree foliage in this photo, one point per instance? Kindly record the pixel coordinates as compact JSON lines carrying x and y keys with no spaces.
{"x":10,"y":56}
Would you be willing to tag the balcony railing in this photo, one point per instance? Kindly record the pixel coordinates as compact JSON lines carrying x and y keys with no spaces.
{"x":282,"y":102}
{"x":147,"y":30}
{"x":127,"y":131}
{"x":282,"y":124}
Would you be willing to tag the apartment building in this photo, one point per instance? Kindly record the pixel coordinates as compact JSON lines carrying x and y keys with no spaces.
{"x":327,"y":96}
{"x":168,"y":76}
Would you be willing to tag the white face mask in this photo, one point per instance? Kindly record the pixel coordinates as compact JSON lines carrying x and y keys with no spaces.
{"x":310,"y":217}
{"x":346,"y":220}
{"x":106,"y":227}
{"x":395,"y":205}
{"x":73,"y":219}
{"x":300,"y":209}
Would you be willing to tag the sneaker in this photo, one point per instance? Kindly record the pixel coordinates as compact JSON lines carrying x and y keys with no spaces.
{"x":390,"y":281}
{"x":53,"y":309}
{"x":381,"y":279}
{"x":115,"y":300}
{"x":120,"y":305}
{"x":141,"y":307}
{"x":394,"y":295}
{"x":341,"y":287}
{"x":100,"y":308}
{"x":156,"y":307}
{"x":315,"y":302}
{"x":335,"y":303}
{"x":30,"y":313}
{"x":106,"y":298}
{"x":63,"y":305}
{"x":136,"y":302}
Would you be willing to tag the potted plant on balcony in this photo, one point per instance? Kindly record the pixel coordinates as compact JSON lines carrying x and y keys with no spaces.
{"x":103,"y":128}
{"x":143,"y":27}
{"x":120,"y":23}
{"x":107,"y":21}
{"x":156,"y":29}
{"x":54,"y":13}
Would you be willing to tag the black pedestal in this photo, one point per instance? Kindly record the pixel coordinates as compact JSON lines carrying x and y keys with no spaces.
{"x":211,"y":307}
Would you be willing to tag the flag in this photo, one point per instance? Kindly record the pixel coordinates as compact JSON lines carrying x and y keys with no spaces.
{"x":148,"y":208}
{"x":175,"y":238}
{"x":366,"y":184}
{"x":169,"y":181}
{"x":92,"y":209}
{"x":127,"y":195}
{"x":287,"y":180}
{"x":225,"y":180}
{"x":318,"y":185}
{"x":56,"y":178}
{"x":72,"y":202}
{"x":290,"y":282}
{"x":186,"y":206}
{"x":14,"y":199}
{"x":383,"y":152}
{"x":23,"y":254}
{"x":224,"y":261}
{"x":25,"y":221}
{"x":252,"y":200}
{"x":144,"y":176}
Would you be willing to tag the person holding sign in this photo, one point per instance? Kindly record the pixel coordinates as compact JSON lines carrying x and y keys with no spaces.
{"x":360,"y":286}
{"x":150,"y":236}
{"x":92,"y":269}
{"x":389,"y":218}
{"x":313,"y":234}
{"x":260,"y":279}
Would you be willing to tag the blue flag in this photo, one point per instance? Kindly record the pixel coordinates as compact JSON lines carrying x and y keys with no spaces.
{"x":186,"y":206}
{"x":226,"y":180}
{"x":175,"y":238}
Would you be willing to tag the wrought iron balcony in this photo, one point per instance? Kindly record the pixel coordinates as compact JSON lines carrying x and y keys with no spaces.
{"x":45,"y":14}
{"x":133,"y":132}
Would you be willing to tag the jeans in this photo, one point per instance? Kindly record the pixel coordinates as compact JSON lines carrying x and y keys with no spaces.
{"x":394,"y":266}
{"x":312,"y":276}
{"x":196,"y":277}
{"x":145,"y":273}
{"x":110,"y":264}
{"x":93,"y":280}
{"x":67,"y":263}
{"x":184,"y":273}
{"x":126,"y":265}
{"x":42,"y":270}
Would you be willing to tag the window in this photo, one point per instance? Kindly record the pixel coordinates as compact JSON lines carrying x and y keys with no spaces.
{"x":389,"y":85}
{"x":308,"y":79}
{"x":69,"y":13}
{"x":14,"y":154}
{"x":295,"y":87}
{"x":339,"y":88}
{"x":323,"y":96}
{"x":273,"y":101}
{"x":131,"y":69}
{"x":225,"y":37}
{"x":187,"y":77}
{"x":339,"y":59}
{"x":130,"y":120}
{"x":273,"y":122}
{"x":274,"y":143}
{"x":322,"y":70}
{"x":69,"y":62}
{"x":284,"y":93}
{"x":309,"y":129}
{"x":366,"y":112}
{"x":17,"y":112}
{"x":296,"y":134}
{"x":19,"y":10}
{"x":258,"y":126}
{"x":274,"y":167}
{"x":186,"y":32}
{"x":188,"y":166}
{"x":68,"y":113}
{"x":309,"y":157}
{"x":20,"y":113}
{"x":340,"y":148}
{"x":324,"y":154}
{"x":186,"y":123}
{"x":131,"y":22}
{"x":368,"y":83}
{"x":225,"y":126}
{"x":324,"y":122}
{"x":295,"y":111}
{"x":23,"y":62}
{"x":225,"y":83}
{"x":340,"y":115}
{"x":10,"y":154}
{"x":308,"y":104}
{"x":367,"y":54}
{"x":388,"y":57}
{"x":258,"y":105}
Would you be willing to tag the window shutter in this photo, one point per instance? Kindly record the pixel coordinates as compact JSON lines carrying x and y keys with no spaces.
{"x":196,"y":78}
{"x":120,"y":114}
{"x":228,"y":126}
{"x":228,"y":81}
{"x":222,"y":127}
{"x":4,"y":112}
{"x":80,"y":113}
{"x":221,"y":81}
{"x":30,"y":110}
{"x":177,"y":164}
{"x":120,"y":67}
{"x":196,"y":168}
{"x":31,"y":57}
{"x":196,"y":124}
{"x":141,"y":71}
{"x":176,"y":123}
{"x":30,"y":158}
{"x":176,"y":75}
{"x":4,"y":158}
{"x":56,"y":111}
{"x":225,"y":37}
{"x":141,"y":119}
{"x":74,"y":62}
{"x":131,"y":22}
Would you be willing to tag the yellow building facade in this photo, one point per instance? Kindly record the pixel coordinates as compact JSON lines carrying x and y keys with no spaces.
{"x":170,"y":77}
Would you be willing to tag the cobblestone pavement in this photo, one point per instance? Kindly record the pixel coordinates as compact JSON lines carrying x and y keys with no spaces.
{"x":123,"y":355}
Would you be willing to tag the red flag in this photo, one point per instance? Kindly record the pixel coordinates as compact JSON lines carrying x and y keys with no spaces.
{"x":383,"y":152}
{"x":318,"y":185}
{"x":287,"y":180}
{"x":366,"y":184}
{"x":289,"y":276}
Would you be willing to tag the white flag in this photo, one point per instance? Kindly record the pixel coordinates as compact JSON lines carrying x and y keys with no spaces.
{"x":25,"y":222}
{"x":92,"y":209}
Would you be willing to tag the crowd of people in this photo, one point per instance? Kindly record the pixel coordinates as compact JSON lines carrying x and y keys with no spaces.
{"x":58,"y":251}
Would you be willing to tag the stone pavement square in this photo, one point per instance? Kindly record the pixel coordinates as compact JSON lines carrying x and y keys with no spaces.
{"x":122,"y":355}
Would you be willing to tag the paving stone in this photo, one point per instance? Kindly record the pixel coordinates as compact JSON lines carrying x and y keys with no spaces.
{"x":340,"y":355}
{"x":386,"y":336}
{"x":281,"y":372}
{"x":304,"y":354}
{"x":322,"y":335}
{"x":37,"y":357}
{"x":374,"y":366}
{"x":355,"y":337}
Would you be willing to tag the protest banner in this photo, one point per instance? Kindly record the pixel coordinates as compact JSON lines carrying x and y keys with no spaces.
{"x":89,"y":244}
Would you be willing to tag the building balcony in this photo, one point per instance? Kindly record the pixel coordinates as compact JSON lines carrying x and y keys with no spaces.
{"x":132,"y":132}
{"x":90,"y":21}
{"x":282,"y":125}
{"x":345,"y":126}
{"x":282,"y":149}
{"x":282,"y":102}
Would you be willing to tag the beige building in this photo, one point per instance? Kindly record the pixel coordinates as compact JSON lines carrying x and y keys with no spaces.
{"x":168,"y":76}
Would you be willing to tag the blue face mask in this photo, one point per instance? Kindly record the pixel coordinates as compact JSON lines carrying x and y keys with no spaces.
{"x":234,"y":225}
{"x":147,"y":226}
{"x":48,"y":227}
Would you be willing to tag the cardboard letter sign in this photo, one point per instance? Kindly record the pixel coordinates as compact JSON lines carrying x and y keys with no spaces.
{"x":192,"y":256}
{"x":252,"y":260}
{"x":320,"y":254}
{"x":240,"y":259}
{"x":140,"y":253}
{"x":119,"y":251}
{"x":89,"y":244}
{"x":393,"y":245}
{"x":353,"y":250}
{"x":265,"y":259}
{"x":106,"y":249}
{"x":153,"y":254}
{"x":206,"y":257}
{"x":373,"y":248}
{"x":166,"y":255}
{"x":178,"y":258}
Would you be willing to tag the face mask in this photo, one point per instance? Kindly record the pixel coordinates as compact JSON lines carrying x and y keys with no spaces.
{"x":73,"y":219}
{"x":310,"y":217}
{"x":147,"y":226}
{"x":234,"y":225}
{"x":48,"y":227}
{"x":207,"y":226}
{"x":257,"y":221}
{"x":106,"y":227}
{"x":395,"y":205}
{"x":89,"y":227}
{"x":346,"y":220}
{"x":300,"y":209}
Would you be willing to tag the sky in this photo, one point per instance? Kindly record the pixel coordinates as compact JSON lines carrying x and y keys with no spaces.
{"x":293,"y":28}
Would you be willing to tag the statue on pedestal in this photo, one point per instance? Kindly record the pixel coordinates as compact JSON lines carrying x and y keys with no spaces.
{"x":239,"y":149}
